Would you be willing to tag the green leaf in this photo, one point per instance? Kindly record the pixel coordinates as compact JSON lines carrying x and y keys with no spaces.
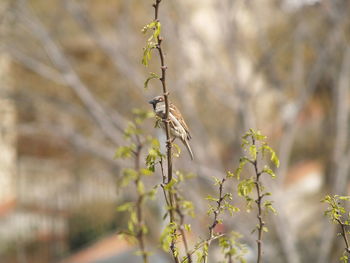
{"x":141,"y":115}
{"x":344,"y":258}
{"x":217,"y":181}
{"x":177,"y":151}
{"x":152,"y":76}
{"x":170,"y":185}
{"x":147,"y":53}
{"x":127,"y":176}
{"x":188,"y":207}
{"x":268,"y":206}
{"x":253,"y":151}
{"x":245,"y":187}
{"x":125,"y":207}
{"x":265,"y":229}
{"x":187,"y":227}
{"x":267,"y":170}
{"x":274,"y":157}
{"x":146,"y":56}
{"x":210,"y":198}
{"x":157,"y":30}
{"x":152,"y":193}
{"x":242,"y":162}
{"x":153,"y":156}
{"x":230,"y":174}
{"x":131,"y":227}
{"x":125,"y":151}
{"x":245,"y":142}
{"x":232,"y":209}
{"x":167,"y":236}
{"x":140,"y":188}
{"x":131,"y":130}
{"x":146,"y":172}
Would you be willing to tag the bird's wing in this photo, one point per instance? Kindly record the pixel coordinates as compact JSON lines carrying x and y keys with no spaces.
{"x":177,"y":114}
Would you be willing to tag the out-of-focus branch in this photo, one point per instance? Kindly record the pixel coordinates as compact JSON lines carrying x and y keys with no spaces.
{"x":69,"y":75}
{"x":342,"y":123}
{"x":340,"y":156}
{"x":53,"y":75}
{"x":82,"y":143}
{"x":108,"y":47}
{"x":36,"y":66}
{"x":289,"y":132}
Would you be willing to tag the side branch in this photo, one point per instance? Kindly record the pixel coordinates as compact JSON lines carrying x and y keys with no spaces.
{"x":345,"y":237}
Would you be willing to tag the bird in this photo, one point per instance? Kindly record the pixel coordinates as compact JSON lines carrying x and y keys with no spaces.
{"x":178,"y":126}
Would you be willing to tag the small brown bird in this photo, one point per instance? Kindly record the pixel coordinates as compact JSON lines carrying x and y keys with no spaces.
{"x":178,"y":126}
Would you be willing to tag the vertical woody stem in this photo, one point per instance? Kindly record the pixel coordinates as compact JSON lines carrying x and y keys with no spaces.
{"x":165,"y":94}
{"x":259,"y":205}
{"x":140,"y":232}
{"x":166,"y":121}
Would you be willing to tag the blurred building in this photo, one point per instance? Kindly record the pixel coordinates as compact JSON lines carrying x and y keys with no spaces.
{"x":39,"y":187}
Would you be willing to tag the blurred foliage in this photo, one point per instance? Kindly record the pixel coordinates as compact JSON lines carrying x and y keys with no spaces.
{"x":92,"y":222}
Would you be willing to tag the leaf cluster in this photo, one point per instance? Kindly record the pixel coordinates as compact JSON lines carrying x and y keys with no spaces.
{"x":233,"y":250}
{"x":152,"y":40}
{"x":256,"y":147}
{"x":337,"y":213}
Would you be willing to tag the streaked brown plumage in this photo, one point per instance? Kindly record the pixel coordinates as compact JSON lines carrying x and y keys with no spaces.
{"x":178,"y":126}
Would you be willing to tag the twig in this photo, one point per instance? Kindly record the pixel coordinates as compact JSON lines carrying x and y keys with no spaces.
{"x":164,"y":182}
{"x":201,"y":244}
{"x":258,"y":201}
{"x":343,"y":234}
{"x":216,"y":215}
{"x":139,"y":213}
{"x":181,"y":227}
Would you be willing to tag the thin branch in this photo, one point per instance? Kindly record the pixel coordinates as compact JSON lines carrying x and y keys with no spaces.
{"x":258,"y":201}
{"x":166,"y":121}
{"x":343,"y":234}
{"x":139,"y":212}
{"x":181,"y":226}
{"x":51,"y":74}
{"x":165,"y":93}
{"x":164,"y":183}
{"x":79,"y":141}
{"x":217,"y":212}
{"x":201,"y":244}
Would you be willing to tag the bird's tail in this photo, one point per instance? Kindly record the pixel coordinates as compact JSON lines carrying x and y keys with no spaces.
{"x":188,"y":148}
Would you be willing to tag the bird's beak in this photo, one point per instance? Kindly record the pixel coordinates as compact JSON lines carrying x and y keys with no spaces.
{"x":153,"y":102}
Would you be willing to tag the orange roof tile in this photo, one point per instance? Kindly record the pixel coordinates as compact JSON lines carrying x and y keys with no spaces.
{"x":104,"y":248}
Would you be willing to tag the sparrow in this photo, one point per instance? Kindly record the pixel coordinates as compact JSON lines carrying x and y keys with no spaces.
{"x":178,"y":126}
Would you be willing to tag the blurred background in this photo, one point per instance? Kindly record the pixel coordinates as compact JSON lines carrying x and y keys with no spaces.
{"x":71,"y":73}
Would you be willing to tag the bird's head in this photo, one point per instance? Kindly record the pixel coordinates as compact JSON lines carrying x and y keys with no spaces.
{"x":156,"y":100}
